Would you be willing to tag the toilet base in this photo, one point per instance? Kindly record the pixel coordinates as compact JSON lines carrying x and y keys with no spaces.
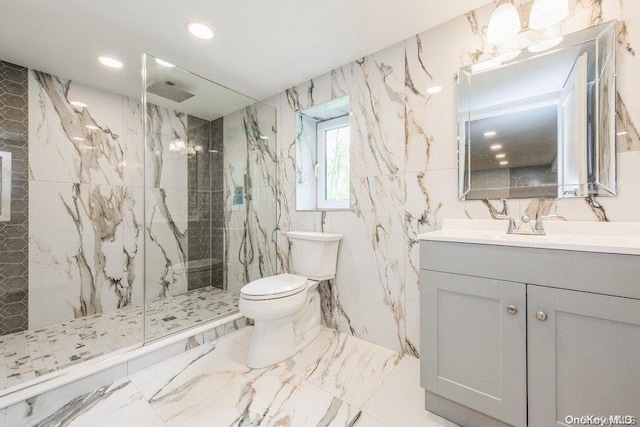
{"x":276,"y":340}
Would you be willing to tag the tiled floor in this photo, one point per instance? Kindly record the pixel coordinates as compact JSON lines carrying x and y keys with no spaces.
{"x":29,"y":354}
{"x":338,"y":380}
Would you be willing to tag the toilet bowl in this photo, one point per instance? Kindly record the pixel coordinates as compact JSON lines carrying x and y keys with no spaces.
{"x":286,"y":307}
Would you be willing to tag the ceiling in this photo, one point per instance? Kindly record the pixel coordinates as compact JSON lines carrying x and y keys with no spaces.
{"x":260,"y":47}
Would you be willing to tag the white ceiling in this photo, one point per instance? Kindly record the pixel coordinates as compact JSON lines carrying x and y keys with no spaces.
{"x":260,"y":47}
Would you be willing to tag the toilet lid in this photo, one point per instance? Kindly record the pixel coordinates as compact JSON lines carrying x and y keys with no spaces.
{"x":278,"y":286}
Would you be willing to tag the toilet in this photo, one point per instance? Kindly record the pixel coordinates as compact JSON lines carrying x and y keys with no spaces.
{"x":286,"y":307}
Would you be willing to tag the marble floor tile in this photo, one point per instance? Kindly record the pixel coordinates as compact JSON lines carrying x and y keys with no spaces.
{"x":345,"y":366}
{"x":399,"y":401}
{"x":277,"y":397}
{"x":242,"y":336}
{"x":27,"y":355}
{"x":338,"y":380}
{"x":180,"y":387}
{"x":119,"y":401}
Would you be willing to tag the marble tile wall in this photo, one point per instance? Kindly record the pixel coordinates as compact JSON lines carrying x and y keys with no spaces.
{"x":250,"y":163}
{"x":85,"y":200}
{"x":404,"y":165}
{"x":14,"y":258}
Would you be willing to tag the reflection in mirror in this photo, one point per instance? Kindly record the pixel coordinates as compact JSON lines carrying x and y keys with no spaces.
{"x":537,"y":124}
{"x":210,"y":167}
{"x":322,"y":157}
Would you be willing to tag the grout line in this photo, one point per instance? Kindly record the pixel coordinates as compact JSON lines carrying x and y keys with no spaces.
{"x":146,"y":401}
{"x":386,"y":378}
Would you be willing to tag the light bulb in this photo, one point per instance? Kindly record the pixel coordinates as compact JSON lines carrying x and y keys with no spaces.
{"x":504,"y":24}
{"x":545,"y":13}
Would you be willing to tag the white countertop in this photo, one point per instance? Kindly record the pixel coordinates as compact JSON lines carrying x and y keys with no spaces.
{"x":613,"y":238}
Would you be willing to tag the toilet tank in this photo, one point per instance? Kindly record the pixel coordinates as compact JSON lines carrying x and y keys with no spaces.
{"x":313,"y":254}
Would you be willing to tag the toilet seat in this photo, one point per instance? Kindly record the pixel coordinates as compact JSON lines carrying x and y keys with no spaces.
{"x":274,"y":287}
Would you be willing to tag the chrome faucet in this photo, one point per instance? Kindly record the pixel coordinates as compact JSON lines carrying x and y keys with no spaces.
{"x":525,"y":226}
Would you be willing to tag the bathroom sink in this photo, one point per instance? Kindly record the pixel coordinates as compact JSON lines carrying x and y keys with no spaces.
{"x":615,"y":238}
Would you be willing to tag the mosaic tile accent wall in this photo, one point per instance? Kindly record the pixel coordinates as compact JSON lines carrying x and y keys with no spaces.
{"x":14,"y":258}
{"x":204,"y":174}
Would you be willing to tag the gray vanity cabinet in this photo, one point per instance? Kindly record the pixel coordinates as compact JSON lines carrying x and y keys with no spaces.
{"x":527,"y":337}
{"x":584,"y":355}
{"x":476,"y":334}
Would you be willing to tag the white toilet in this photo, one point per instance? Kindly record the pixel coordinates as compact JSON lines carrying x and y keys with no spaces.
{"x":286,"y":307}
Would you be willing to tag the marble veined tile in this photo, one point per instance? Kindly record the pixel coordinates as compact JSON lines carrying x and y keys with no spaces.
{"x":347,"y":367}
{"x":277,"y":397}
{"x":375,"y":86}
{"x":74,"y":143}
{"x":118,"y":401}
{"x":184,"y":385}
{"x":399,"y":401}
{"x":242,"y":336}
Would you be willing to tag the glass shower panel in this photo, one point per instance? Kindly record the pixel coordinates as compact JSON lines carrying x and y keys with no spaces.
{"x":71,"y":273}
{"x":210,"y":201}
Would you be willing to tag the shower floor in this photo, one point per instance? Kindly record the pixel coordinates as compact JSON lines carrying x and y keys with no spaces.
{"x":29,"y":354}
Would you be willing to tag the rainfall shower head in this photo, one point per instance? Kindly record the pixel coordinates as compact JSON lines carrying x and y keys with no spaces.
{"x":168,"y":90}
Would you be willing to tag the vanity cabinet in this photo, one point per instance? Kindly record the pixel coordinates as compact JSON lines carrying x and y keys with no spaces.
{"x":475,"y":334}
{"x":525,"y":336}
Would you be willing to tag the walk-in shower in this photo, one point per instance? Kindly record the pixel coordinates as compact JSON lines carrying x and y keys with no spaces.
{"x":121,"y":220}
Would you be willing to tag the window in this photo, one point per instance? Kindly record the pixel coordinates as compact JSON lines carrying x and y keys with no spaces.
{"x":332,"y":169}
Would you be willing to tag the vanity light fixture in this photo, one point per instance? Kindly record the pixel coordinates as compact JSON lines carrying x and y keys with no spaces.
{"x":78,"y":104}
{"x":496,"y":146}
{"x":110,"y":62}
{"x":200,"y":31}
{"x":504,"y":24}
{"x":546,"y":13}
{"x":501,"y":156}
{"x":434,"y":89}
{"x":164,"y":63}
{"x":504,"y":163}
{"x":490,"y":134}
{"x":545,"y":45}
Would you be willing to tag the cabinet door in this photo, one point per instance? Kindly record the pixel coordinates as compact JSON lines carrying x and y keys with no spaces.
{"x":474,"y":344}
{"x":584,"y":355}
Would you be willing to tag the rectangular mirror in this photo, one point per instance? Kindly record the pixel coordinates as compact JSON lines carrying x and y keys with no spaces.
{"x":540,"y":122}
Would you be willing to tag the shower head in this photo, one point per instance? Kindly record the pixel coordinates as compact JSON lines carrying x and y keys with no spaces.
{"x":168,"y":90}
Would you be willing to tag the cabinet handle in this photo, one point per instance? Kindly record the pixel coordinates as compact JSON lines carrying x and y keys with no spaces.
{"x":542,"y":316}
{"x":512,"y":309}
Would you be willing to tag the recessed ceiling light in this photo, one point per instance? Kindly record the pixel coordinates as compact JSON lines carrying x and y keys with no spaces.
{"x":501,"y":156}
{"x":78,"y":104}
{"x":490,"y":133}
{"x":164,"y":63}
{"x":92,"y":127}
{"x":496,"y":146}
{"x":622,"y":133}
{"x":434,"y":89}
{"x":200,"y":31}
{"x":504,"y":162}
{"x":109,"y":62}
